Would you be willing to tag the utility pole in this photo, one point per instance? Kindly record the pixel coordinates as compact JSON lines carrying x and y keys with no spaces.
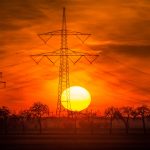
{"x":64,"y":54}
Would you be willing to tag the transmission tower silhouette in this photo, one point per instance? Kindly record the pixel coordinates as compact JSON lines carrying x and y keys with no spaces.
{"x":1,"y":81}
{"x":64,"y":54}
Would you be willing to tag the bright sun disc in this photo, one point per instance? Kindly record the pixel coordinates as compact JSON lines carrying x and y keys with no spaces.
{"x":80,"y":98}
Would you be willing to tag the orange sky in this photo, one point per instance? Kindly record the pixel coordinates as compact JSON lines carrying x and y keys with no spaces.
{"x":120,"y":29}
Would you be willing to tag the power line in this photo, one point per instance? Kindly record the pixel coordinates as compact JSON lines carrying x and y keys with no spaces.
{"x":124,"y":81}
{"x":123,"y":64}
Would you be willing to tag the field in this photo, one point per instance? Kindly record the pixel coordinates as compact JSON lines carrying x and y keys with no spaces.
{"x":67,"y":134}
{"x":80,"y":140}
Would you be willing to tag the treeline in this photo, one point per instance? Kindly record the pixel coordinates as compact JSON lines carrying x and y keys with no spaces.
{"x":38,"y":113}
{"x":125,"y":114}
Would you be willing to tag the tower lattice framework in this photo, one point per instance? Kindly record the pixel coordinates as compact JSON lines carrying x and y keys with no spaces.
{"x":63,"y":67}
{"x":64,"y":54}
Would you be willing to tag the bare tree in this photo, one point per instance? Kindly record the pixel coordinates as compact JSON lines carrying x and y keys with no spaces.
{"x":112,"y":114}
{"x":143,"y":112}
{"x":24,"y":116}
{"x":4,"y":114}
{"x":125,"y":114}
{"x":38,"y":111}
{"x":92,"y":116}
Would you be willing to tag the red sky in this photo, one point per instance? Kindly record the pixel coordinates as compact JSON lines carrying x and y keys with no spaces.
{"x":120,"y":29}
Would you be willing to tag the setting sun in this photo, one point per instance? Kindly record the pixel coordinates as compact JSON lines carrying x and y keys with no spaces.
{"x":80,"y":98}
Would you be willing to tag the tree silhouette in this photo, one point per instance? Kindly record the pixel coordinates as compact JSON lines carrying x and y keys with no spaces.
{"x":24,"y":116}
{"x":143,"y":112}
{"x":111,"y":113}
{"x":38,"y":111}
{"x":134,"y":113}
{"x":125,"y":114}
{"x":92,"y":116}
{"x":4,"y":114}
{"x":14,"y":119}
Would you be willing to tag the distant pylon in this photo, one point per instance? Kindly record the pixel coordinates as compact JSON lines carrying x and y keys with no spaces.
{"x":2,"y":82}
{"x":64,"y":54}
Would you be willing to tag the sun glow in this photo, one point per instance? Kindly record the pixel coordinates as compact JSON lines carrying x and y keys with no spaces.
{"x":80,"y":98}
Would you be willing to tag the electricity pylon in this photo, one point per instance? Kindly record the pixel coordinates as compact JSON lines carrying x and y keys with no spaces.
{"x":2,"y":82}
{"x":64,"y":54}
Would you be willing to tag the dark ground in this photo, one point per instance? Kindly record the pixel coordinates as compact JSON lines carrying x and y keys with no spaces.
{"x":68,"y":141}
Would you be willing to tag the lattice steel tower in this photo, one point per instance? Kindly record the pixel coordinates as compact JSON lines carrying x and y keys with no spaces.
{"x":63,"y":53}
{"x":64,"y":67}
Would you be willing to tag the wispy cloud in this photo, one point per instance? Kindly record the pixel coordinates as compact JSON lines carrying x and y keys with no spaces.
{"x":121,"y":29}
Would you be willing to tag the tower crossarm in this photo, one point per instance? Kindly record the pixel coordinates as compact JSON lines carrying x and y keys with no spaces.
{"x":59,"y":32}
{"x":48,"y":35}
{"x":62,"y":55}
{"x":89,"y":57}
